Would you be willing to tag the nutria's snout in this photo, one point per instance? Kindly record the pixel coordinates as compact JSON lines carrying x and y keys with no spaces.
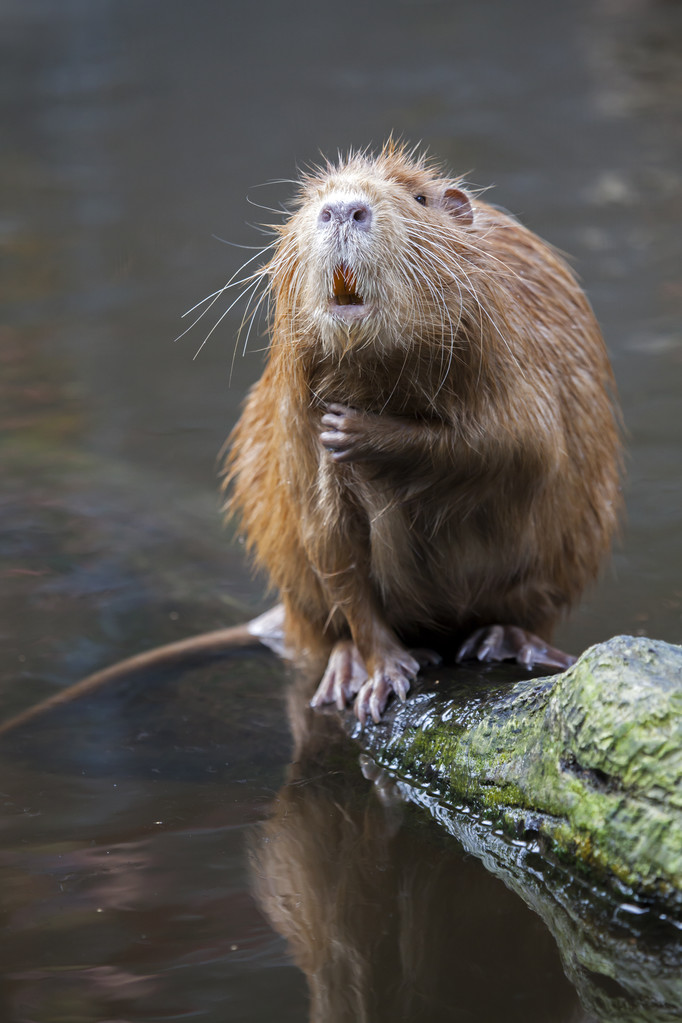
{"x":344,"y":226}
{"x":356,"y":214}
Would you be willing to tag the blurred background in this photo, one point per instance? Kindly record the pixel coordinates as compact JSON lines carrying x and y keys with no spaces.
{"x":138,"y":138}
{"x":134,"y":134}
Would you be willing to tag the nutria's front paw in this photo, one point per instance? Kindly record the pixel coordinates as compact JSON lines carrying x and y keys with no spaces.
{"x":393,"y":675}
{"x":346,"y":433}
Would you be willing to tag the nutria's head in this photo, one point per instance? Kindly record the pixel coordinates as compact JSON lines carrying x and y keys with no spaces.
{"x":376,"y":251}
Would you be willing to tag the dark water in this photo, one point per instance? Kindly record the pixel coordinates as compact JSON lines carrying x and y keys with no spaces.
{"x":136,"y":825}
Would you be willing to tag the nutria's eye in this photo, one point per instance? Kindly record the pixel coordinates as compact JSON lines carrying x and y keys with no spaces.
{"x":421,"y":199}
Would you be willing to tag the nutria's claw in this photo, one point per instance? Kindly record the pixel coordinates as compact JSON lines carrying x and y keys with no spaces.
{"x":340,"y":419}
{"x":372,"y":699}
{"x":343,"y":678}
{"x":337,"y":409}
{"x":393,"y":676}
{"x":345,"y":436}
{"x":511,"y":643}
{"x":334,"y":442}
{"x":427,"y":658}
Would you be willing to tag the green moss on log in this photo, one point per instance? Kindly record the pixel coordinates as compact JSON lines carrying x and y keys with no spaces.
{"x":590,"y":760}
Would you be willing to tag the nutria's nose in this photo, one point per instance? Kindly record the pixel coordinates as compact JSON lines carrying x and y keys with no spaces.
{"x":356,"y":213}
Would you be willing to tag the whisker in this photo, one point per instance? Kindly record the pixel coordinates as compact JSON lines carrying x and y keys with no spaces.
{"x":201,"y":302}
{"x":222,"y":317}
{"x":282,"y":211}
{"x":251,"y":318}
{"x":277,"y":181}
{"x":236,"y":245}
{"x":254,"y":312}
{"x":216,"y":294}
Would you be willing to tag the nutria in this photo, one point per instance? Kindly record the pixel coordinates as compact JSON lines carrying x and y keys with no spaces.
{"x":432,"y":447}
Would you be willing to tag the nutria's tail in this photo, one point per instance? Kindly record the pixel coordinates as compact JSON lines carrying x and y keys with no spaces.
{"x":266,"y":629}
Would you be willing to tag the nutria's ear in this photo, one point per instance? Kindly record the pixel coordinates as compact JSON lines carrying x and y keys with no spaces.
{"x":458,"y":205}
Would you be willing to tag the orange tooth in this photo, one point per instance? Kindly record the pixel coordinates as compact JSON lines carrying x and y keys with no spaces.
{"x":344,"y":282}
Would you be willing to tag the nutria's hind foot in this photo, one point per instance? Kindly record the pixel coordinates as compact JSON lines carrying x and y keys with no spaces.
{"x":511,"y":643}
{"x":393,"y":674}
{"x":344,"y":676}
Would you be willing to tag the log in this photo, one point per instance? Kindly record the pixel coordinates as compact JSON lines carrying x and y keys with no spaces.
{"x":566,"y":788}
{"x":587,"y":763}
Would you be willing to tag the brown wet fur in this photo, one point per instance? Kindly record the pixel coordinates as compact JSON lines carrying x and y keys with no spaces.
{"x":482,"y":482}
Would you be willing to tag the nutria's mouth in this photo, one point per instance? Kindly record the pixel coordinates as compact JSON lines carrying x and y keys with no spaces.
{"x":346,"y":300}
{"x":344,"y":287}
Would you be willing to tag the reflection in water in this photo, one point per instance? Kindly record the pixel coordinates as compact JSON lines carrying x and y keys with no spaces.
{"x":389,"y":921}
{"x":623,"y":956}
{"x":123,"y":892}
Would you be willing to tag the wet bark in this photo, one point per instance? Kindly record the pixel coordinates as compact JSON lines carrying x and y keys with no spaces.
{"x":587,"y":764}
